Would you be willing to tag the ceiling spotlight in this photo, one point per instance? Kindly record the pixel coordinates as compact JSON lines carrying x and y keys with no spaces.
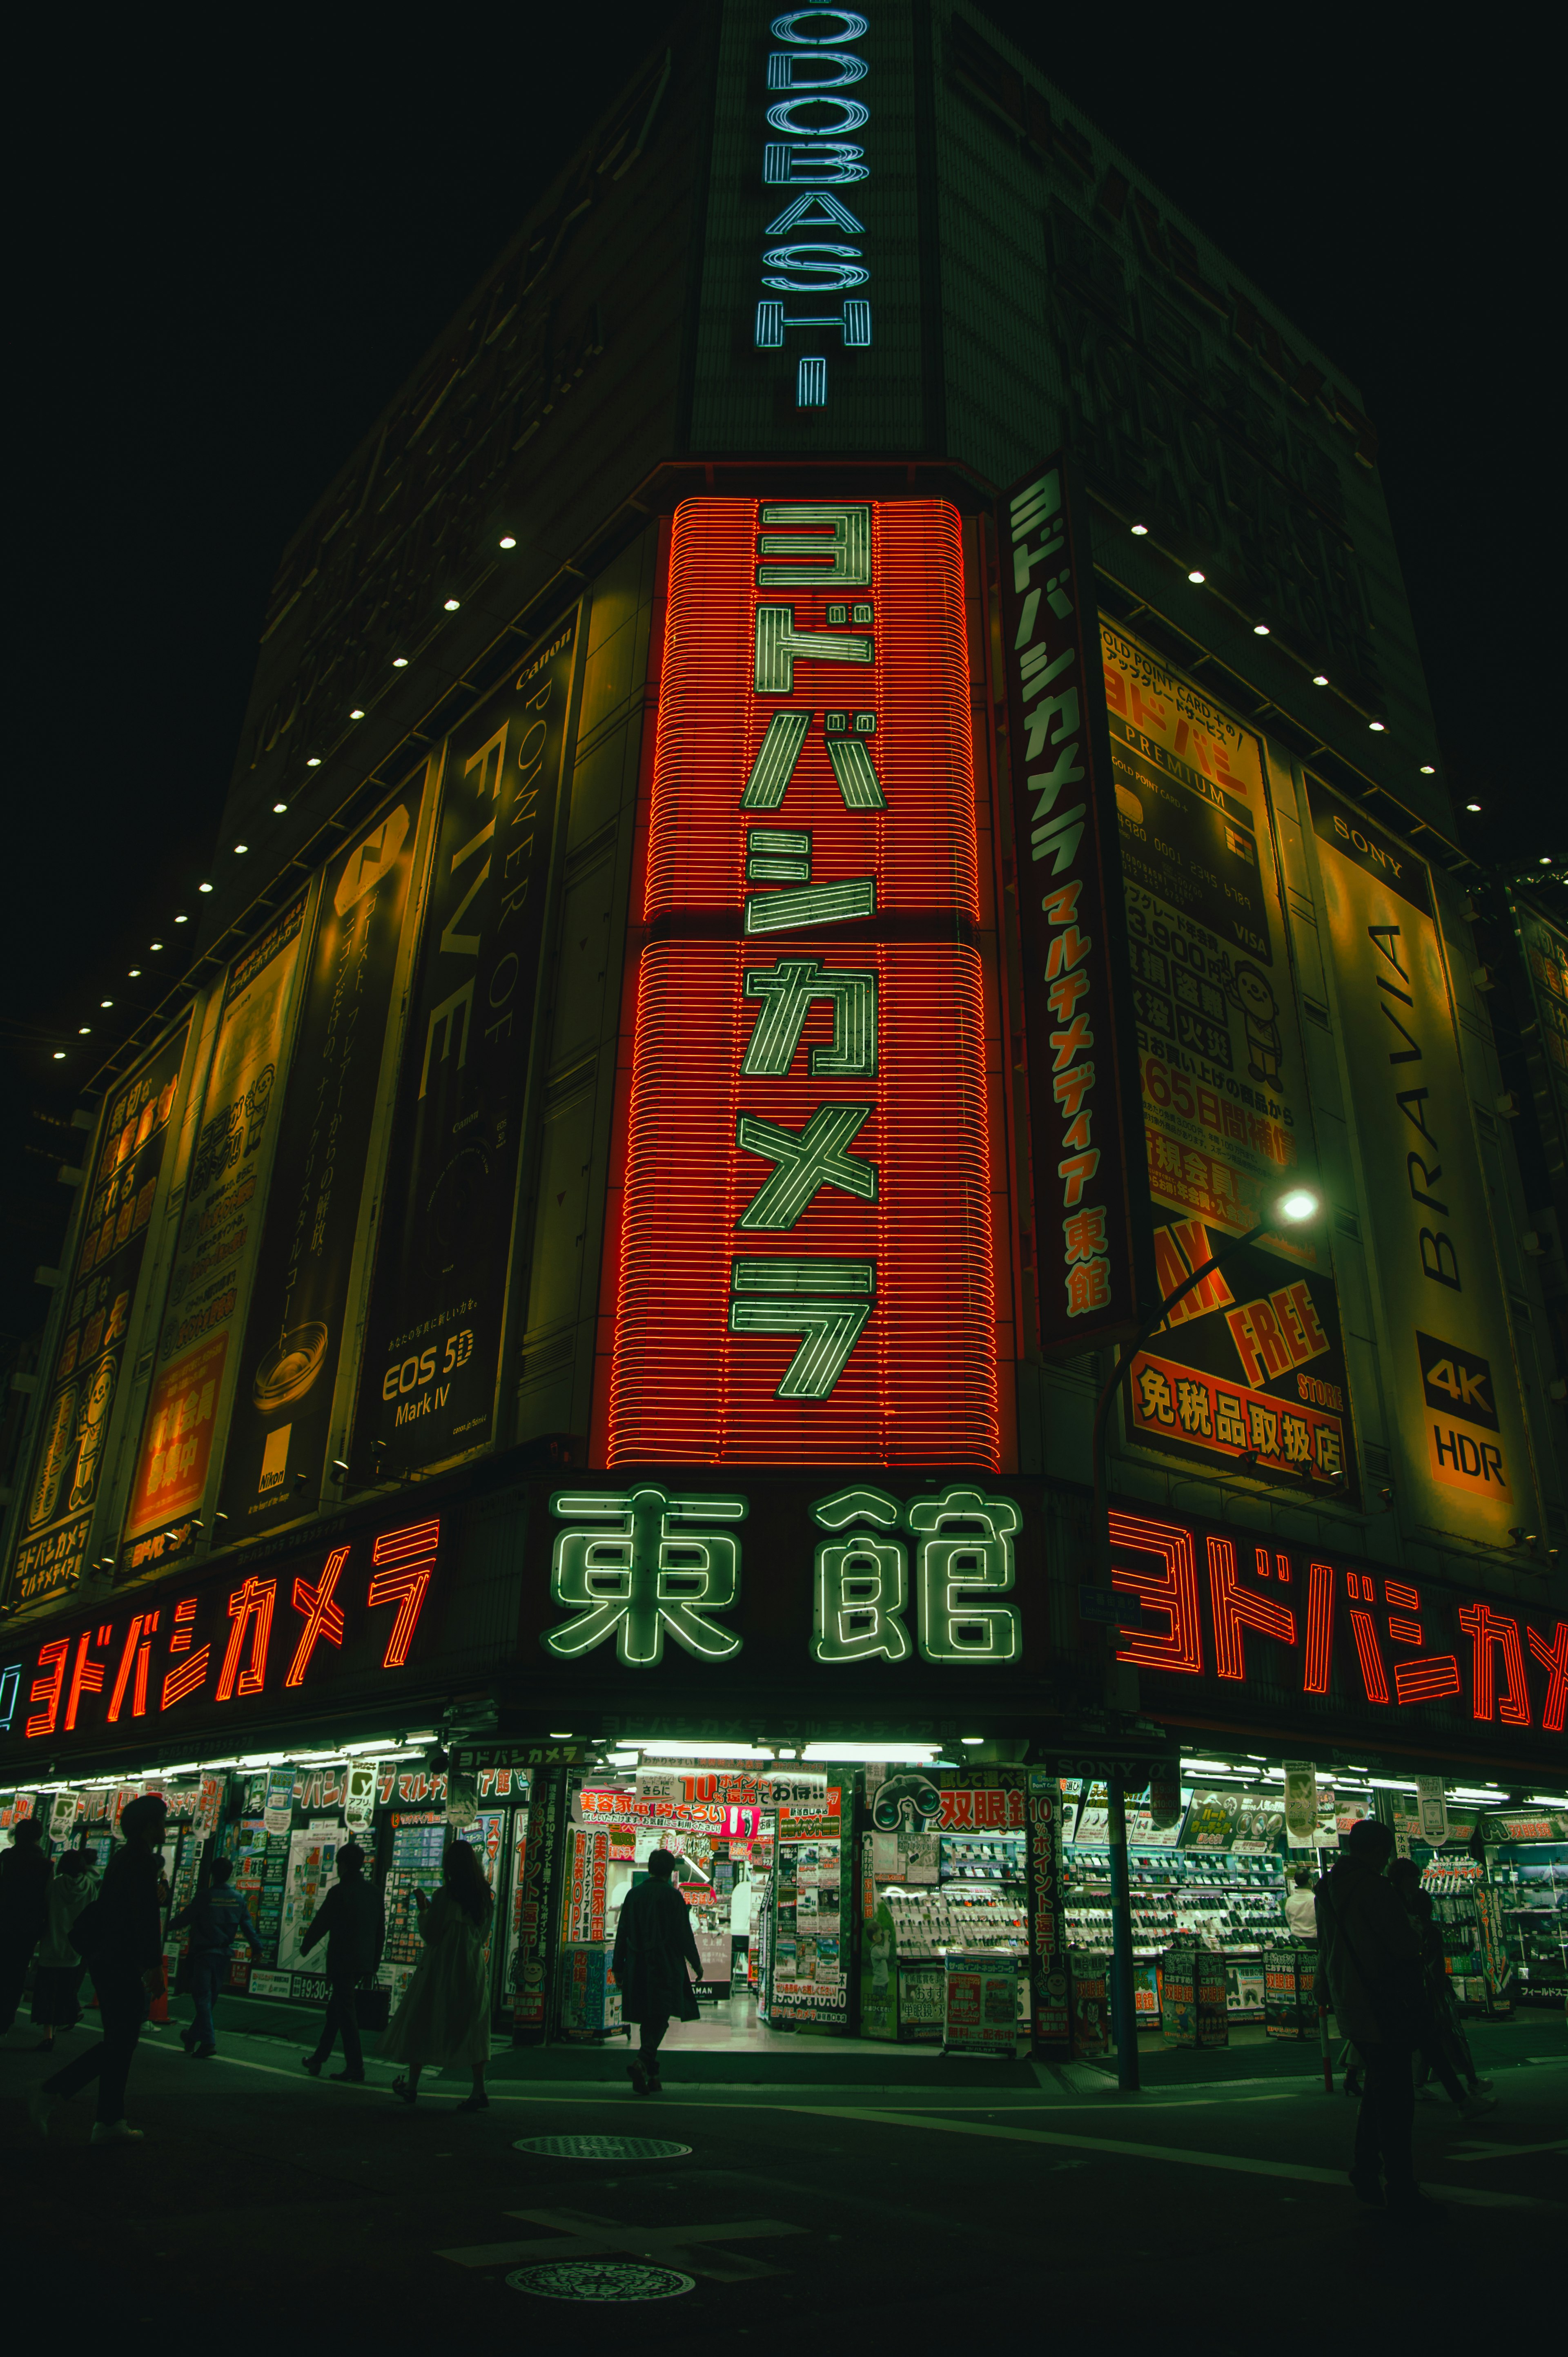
{"x":278,"y":809}
{"x":106,"y":1002}
{"x":241,"y":846}
{"x":1475,"y":806}
{"x":313,"y":761}
{"x":1376,"y":727}
{"x":357,"y":714}
{"x":1195,"y":575}
{"x":182,"y":921}
{"x":451,"y":605}
{"x":1259,"y":629}
{"x":135,"y":973}
{"x":1545,"y":860}
{"x":1320,"y":679}
{"x":1300,"y":1204}
{"x":60,"y":1055}
{"x":400,"y":662}
{"x":508,"y":541}
{"x":1139,"y":532}
{"x":83,"y":1030}
{"x":204,"y":887}
{"x":1429,"y":770}
{"x":156,"y":945}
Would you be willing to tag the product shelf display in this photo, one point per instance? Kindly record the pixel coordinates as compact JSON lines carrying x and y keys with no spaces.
{"x":1532,"y":1881}
{"x":945,"y":1872}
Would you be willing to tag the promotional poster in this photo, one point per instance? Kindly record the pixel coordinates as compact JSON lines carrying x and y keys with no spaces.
{"x":73,"y":1436}
{"x":279,"y":1424}
{"x":224,"y":1202}
{"x":432,"y":1358}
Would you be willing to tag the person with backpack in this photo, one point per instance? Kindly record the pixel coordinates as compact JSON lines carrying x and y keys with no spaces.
{"x":1371,"y":1954}
{"x":121,"y":1936}
{"x":215,"y":1919}
{"x":352,"y":1921}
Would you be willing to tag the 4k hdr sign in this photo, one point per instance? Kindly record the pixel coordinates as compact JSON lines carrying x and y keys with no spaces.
{"x":801,"y":1266}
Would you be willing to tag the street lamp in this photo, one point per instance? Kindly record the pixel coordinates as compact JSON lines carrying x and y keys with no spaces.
{"x":1296,"y":1206}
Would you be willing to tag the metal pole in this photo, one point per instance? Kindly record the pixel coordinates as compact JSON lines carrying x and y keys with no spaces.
{"x":1123,"y":2003}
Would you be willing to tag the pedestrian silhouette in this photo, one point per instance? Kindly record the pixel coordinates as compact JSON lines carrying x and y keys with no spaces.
{"x":215,"y":1919}
{"x":445,"y":2015}
{"x":1369,"y":1948}
{"x":57,"y":1984}
{"x":24,"y":1913}
{"x":654,"y":1945}
{"x":1444,"y":2052}
{"x":353,"y":1921}
{"x":120,"y":1934}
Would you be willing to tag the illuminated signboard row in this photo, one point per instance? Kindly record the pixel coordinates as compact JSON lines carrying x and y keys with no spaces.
{"x":803,"y":1268}
{"x":880,"y":1593}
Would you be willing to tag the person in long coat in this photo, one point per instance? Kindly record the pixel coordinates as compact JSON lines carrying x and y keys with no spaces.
{"x":654,"y":1945}
{"x":445,"y":2015}
{"x":23,"y":1911}
{"x":57,"y":2003}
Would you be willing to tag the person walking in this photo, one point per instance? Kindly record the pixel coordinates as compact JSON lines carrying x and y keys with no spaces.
{"x":445,"y":2015}
{"x":57,"y":1984}
{"x":122,"y":1939}
{"x":1369,"y":1948}
{"x":352,"y":1921}
{"x":1443,"y":2052}
{"x":215,"y":1919}
{"x":654,"y":1945}
{"x":23,"y":1911}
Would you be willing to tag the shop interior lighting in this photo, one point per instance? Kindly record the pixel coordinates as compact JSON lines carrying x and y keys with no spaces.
{"x":204,"y":887}
{"x":660,"y":1750}
{"x":1206,"y":1767}
{"x":972,"y":1739}
{"x":559,"y":1735}
{"x":507,"y":540}
{"x":1549,"y":1801}
{"x":623,"y":1759}
{"x":1195,"y":576}
{"x":1390,"y":1784}
{"x":912,"y":1755}
{"x":452,"y":605}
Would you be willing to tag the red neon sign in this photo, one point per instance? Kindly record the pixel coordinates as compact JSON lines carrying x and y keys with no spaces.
{"x":802,"y":1267}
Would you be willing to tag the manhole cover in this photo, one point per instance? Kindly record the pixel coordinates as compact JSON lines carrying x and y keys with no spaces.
{"x":591,"y":2147}
{"x":600,"y":2280}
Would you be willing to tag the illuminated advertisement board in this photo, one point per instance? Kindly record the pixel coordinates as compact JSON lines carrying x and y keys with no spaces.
{"x":1456,"y":1425}
{"x":279,"y":1430}
{"x":1091,"y":1240}
{"x":799,"y":1246}
{"x":1251,"y":1363}
{"x":72,"y":1439}
{"x":427,"y":1387}
{"x":225,"y":1199}
{"x":1543,"y":948}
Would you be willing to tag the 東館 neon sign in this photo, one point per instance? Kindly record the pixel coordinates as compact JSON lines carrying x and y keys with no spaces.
{"x":229,"y":1644}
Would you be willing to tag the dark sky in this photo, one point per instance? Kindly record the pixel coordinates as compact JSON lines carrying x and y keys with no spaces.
{"x":226,"y":263}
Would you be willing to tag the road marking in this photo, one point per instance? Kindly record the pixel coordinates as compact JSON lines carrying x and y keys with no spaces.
{"x":580,"y":2235}
{"x":1467,"y":2152}
{"x":1185,"y":2156}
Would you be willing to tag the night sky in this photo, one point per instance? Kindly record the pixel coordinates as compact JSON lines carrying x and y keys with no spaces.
{"x":224,"y":265}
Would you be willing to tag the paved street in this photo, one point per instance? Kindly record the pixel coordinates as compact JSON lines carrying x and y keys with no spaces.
{"x":928,"y":2208}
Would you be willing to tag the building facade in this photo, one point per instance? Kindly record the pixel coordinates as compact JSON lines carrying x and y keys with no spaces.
{"x":837,"y":802}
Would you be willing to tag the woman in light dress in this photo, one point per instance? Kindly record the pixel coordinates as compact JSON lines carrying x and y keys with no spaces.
{"x":445,"y":2016}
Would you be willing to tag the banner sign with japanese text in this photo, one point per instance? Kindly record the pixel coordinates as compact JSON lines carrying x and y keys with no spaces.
{"x":1092,"y":1261}
{"x":1543,"y":948}
{"x":225,"y":1201}
{"x":427,"y":1391}
{"x":798,"y":1250}
{"x":1456,"y":1425}
{"x":279,"y":1429}
{"x":129,"y":1153}
{"x":1251,"y":1363}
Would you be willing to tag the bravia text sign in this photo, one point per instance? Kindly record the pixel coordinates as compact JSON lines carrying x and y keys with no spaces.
{"x":804,"y":1252}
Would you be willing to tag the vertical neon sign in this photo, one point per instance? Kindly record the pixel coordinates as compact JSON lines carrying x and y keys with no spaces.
{"x":801,"y":1267}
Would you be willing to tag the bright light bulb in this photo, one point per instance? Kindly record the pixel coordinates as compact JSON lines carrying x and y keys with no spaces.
{"x":1545,"y":860}
{"x":182,"y":921}
{"x":508,"y":541}
{"x":1376,"y":727}
{"x":204,"y":887}
{"x":83,"y":1031}
{"x":241,"y":846}
{"x":1259,"y":629}
{"x":278,"y":809}
{"x":156,"y":945}
{"x":400,"y":662}
{"x":1301,"y":1203}
{"x":60,"y":1055}
{"x":1195,"y":575}
{"x":106,"y":1002}
{"x":313,"y":761}
{"x":452,"y":605}
{"x":1140,"y":531}
{"x":135,"y":973}
{"x":1428,"y":769}
{"x":1475,"y":806}
{"x":357,"y":714}
{"x":1320,"y":679}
